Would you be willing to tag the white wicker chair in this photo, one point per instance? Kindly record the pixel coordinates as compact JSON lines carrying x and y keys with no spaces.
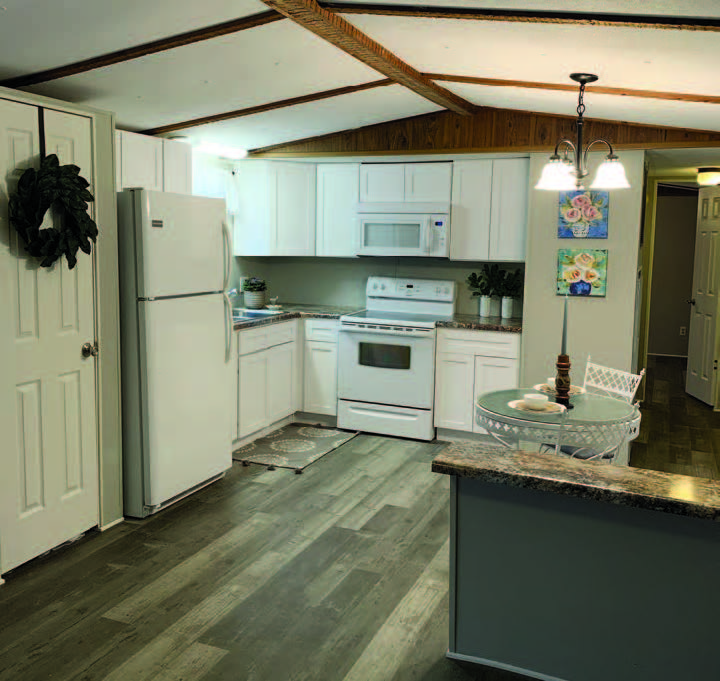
{"x":602,"y":380}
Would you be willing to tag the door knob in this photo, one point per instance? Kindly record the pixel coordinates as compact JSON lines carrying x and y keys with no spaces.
{"x":691,"y":301}
{"x":90,"y":350}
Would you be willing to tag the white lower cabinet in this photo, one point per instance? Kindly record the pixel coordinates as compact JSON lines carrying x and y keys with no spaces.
{"x":268,"y":376}
{"x":470,"y":363}
{"x":320,"y":367}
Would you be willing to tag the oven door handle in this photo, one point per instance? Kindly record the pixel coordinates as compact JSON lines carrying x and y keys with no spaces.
{"x":407,"y":333}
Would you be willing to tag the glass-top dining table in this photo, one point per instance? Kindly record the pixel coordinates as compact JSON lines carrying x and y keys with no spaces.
{"x":596,"y":422}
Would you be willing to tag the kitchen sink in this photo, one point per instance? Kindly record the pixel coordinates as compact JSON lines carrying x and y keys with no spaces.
{"x":250,"y":314}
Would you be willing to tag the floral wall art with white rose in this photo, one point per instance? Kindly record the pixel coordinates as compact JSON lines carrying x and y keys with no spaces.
{"x":583,"y":215}
{"x":582,"y":272}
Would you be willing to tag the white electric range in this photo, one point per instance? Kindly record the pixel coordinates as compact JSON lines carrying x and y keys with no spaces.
{"x":386,"y":357}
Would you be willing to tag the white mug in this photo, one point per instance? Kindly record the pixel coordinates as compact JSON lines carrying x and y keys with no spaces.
{"x":535,"y":401}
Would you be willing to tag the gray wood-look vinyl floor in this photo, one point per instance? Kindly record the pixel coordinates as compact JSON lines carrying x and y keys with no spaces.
{"x":339,"y":574}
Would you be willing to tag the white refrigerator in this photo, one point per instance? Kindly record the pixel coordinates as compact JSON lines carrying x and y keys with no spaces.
{"x":176,"y":334}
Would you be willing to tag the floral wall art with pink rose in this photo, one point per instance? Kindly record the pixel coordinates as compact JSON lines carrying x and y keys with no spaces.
{"x":583,"y":215}
{"x":582,"y":272}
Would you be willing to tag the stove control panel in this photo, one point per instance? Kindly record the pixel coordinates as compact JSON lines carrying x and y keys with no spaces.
{"x":411,"y":289}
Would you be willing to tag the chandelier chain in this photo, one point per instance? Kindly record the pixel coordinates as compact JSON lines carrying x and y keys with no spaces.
{"x":581,"y":104}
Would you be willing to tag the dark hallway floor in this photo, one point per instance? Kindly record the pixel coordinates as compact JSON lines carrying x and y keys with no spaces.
{"x":678,"y":433}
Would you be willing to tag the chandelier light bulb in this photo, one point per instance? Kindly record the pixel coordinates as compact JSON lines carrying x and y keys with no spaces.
{"x":610,"y":175}
{"x":557,"y":175}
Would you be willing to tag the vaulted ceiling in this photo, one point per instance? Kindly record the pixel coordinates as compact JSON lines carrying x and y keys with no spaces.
{"x":253,"y":74}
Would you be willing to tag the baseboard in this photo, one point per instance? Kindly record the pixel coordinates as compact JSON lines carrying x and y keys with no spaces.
{"x":319,"y":419}
{"x":103,"y":528}
{"x":501,"y":665}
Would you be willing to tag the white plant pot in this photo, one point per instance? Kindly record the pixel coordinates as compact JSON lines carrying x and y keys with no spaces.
{"x":489,"y":306}
{"x":254,"y":299}
{"x":507,"y":307}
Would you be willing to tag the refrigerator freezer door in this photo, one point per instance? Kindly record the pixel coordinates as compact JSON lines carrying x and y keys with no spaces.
{"x":187,"y":394}
{"x":181,"y":247}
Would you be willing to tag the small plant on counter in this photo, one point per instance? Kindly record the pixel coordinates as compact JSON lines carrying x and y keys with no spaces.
{"x":254,"y":285}
{"x":511,"y":284}
{"x":487,"y":282}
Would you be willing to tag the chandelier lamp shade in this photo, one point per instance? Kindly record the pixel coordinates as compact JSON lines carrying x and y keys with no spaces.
{"x":708,"y":176}
{"x":567,"y":168}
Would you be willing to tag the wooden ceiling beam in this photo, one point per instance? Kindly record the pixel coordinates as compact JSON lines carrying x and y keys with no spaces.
{"x":526,"y":16}
{"x":598,"y":89}
{"x":261,"y":108}
{"x":343,"y":35}
{"x":188,"y":38}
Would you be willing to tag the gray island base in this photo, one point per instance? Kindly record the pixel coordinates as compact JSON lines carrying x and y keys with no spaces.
{"x":581,"y":571}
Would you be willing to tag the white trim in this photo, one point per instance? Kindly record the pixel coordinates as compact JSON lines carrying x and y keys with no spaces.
{"x":501,"y":665}
{"x":103,"y":528}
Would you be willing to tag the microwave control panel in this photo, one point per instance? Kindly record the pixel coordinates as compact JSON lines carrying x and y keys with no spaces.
{"x":414,"y":289}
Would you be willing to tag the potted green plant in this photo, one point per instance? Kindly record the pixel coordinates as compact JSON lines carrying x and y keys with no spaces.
{"x":510,"y":288}
{"x":254,"y":292}
{"x":485,"y":285}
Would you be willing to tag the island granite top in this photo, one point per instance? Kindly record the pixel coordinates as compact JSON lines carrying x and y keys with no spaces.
{"x":652,"y":490}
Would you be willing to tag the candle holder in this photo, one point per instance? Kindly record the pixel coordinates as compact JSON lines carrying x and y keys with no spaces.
{"x":562,"y":381}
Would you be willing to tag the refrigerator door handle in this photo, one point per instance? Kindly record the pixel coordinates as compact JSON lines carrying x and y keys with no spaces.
{"x":228,"y":326}
{"x":227,"y":243}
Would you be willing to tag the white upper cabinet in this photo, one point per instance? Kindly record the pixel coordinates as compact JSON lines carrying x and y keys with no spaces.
{"x":508,"y":216}
{"x":489,"y":210}
{"x":141,"y":159}
{"x":275,"y":211}
{"x":295,"y":212}
{"x":336,"y":223}
{"x":152,"y":163}
{"x":177,"y":167}
{"x":382,"y":182}
{"x":411,"y":182}
{"x":428,"y":182}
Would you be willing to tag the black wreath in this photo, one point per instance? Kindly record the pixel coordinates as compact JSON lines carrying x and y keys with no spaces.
{"x":63,"y":189}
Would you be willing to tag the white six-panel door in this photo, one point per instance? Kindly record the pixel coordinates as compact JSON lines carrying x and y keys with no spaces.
{"x":701,"y":373}
{"x":48,"y":459}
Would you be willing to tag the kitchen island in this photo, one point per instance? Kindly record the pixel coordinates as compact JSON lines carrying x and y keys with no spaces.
{"x":581,"y":571}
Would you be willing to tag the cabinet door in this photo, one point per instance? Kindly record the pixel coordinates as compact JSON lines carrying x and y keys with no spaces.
{"x":428,"y":181}
{"x":454,"y":391}
{"x":320,"y":384}
{"x":470,"y":223}
{"x":254,"y":215}
{"x":295,"y":213}
{"x":235,"y":368}
{"x":508,"y":220}
{"x":494,"y":373}
{"x":382,"y":182}
{"x":142,"y":161}
{"x":281,"y":366}
{"x":253,"y":407}
{"x":338,"y":186}
{"x":177,"y":167}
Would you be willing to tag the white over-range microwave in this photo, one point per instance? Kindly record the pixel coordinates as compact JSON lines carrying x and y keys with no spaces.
{"x":406,"y":229}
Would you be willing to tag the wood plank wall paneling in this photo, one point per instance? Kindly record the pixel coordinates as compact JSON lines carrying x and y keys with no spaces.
{"x":487,"y":130}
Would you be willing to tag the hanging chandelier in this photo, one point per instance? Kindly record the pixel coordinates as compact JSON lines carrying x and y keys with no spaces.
{"x":567,"y":167}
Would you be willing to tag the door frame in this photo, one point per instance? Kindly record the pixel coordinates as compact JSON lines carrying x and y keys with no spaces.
{"x":106,"y":301}
{"x":648,"y":253}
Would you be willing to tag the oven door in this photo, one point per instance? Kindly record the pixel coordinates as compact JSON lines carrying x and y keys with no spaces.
{"x":394,"y":234}
{"x":385,"y":366}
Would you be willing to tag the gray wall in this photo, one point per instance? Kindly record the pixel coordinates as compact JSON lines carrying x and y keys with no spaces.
{"x":601,"y":327}
{"x":673,"y":256}
{"x":341,"y":281}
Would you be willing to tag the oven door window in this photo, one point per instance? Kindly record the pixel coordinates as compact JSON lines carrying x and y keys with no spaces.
{"x":384,"y":356}
{"x":403,"y":235}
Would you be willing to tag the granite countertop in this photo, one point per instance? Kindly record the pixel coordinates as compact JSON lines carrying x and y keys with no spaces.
{"x":476,"y":323}
{"x":293,"y":311}
{"x":652,"y":490}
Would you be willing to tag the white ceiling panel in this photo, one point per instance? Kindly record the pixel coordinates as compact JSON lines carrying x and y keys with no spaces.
{"x":669,"y":60}
{"x":41,"y":34}
{"x":682,"y":161}
{"x":697,"y":8}
{"x":314,"y":118}
{"x":609,"y":107}
{"x":262,"y":65}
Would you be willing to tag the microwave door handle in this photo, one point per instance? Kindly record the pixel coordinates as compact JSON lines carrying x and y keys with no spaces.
{"x":427,"y":246}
